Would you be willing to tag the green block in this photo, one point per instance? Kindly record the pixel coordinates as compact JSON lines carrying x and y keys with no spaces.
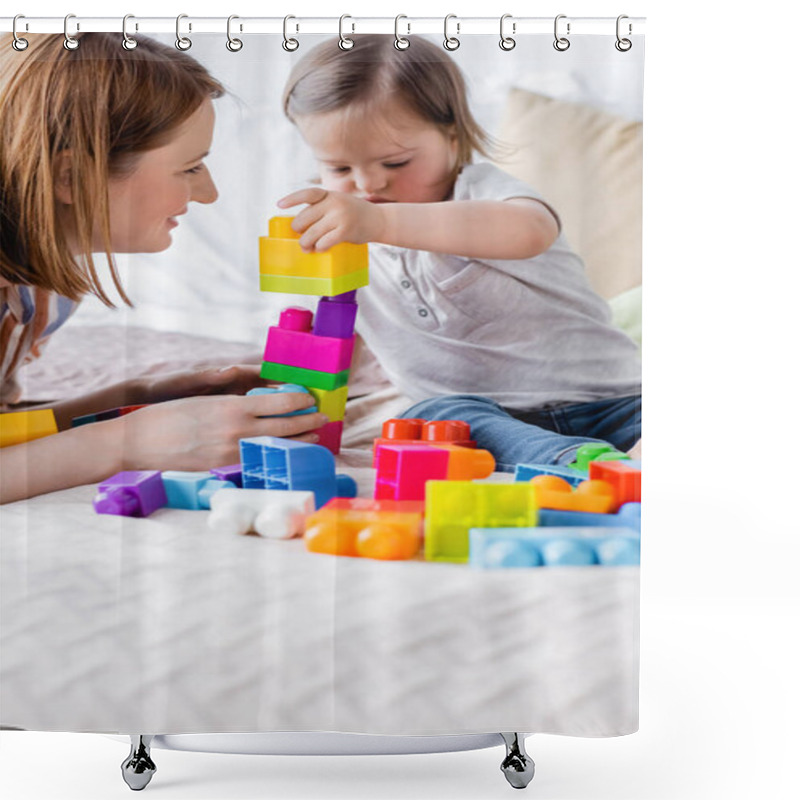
{"x":319,"y":287}
{"x":595,"y":451}
{"x":305,"y":377}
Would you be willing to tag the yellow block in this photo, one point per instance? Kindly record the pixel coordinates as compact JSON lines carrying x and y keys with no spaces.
{"x":281,"y":228}
{"x":286,"y":257}
{"x":330,"y":402}
{"x":24,"y":426}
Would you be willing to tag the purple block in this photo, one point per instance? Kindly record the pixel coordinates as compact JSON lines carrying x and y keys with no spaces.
{"x":232,"y":473}
{"x":335,"y":318}
{"x":131,"y":494}
{"x":344,"y":297}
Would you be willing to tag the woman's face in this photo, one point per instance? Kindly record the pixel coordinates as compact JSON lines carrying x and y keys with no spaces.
{"x":144,"y":205}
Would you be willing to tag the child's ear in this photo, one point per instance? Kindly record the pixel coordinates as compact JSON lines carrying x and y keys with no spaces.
{"x":62,"y":177}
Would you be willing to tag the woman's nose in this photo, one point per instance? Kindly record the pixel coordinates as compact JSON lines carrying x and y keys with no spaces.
{"x":204,"y":191}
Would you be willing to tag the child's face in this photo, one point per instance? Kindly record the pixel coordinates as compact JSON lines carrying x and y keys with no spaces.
{"x":394,"y":156}
{"x":144,"y":204}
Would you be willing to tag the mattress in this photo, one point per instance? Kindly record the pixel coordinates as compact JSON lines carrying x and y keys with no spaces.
{"x":158,"y":625}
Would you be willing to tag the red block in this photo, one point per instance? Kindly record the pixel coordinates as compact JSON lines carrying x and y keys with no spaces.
{"x":627,"y":481}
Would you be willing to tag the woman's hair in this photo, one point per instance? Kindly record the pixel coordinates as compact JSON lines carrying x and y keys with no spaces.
{"x":423,"y":77}
{"x":106,"y":106}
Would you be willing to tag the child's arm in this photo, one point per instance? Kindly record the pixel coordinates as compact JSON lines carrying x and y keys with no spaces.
{"x":509,"y":229}
{"x":194,"y":433}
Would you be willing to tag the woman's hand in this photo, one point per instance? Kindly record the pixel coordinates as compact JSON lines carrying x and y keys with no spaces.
{"x":236,"y":379}
{"x":197,"y":433}
{"x":334,"y":217}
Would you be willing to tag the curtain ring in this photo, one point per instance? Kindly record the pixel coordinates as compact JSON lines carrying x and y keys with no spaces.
{"x":623,"y":45}
{"x":182,"y":42}
{"x":561,"y":43}
{"x":344,"y":42}
{"x":400,"y":42}
{"x":17,"y":42}
{"x":289,"y":45}
{"x":127,"y":42}
{"x":234,"y":45}
{"x":451,"y":42}
{"x":507,"y":42}
{"x":70,"y":43}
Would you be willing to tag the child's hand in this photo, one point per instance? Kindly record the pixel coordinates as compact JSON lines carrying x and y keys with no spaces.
{"x":235,"y":379}
{"x":197,"y":433}
{"x":334,"y":217}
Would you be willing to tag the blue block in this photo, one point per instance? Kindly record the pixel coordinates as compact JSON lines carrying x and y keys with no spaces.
{"x":283,"y":389}
{"x":183,"y":487}
{"x":269,"y":462}
{"x":499,"y":548}
{"x":628,"y":516}
{"x":524,"y":472}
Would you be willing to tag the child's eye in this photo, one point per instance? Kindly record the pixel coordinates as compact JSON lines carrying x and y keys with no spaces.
{"x":396,"y":164}
{"x":339,"y":170}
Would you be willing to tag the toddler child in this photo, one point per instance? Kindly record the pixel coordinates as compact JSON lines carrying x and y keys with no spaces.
{"x":477,"y":308}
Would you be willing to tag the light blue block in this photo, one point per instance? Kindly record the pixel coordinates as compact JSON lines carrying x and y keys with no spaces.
{"x":182,"y":488}
{"x":628,"y":516}
{"x":209,"y":487}
{"x":503,"y":548}
{"x":524,"y":472}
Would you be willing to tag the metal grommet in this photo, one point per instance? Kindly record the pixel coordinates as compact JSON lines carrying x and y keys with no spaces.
{"x":344,"y":42}
{"x":289,"y":44}
{"x":70,"y":43}
{"x":18,"y":43}
{"x":623,"y":45}
{"x":507,"y":42}
{"x":451,"y":42}
{"x":234,"y":45}
{"x":400,"y":42}
{"x":182,"y":42}
{"x":127,"y":42}
{"x":561,"y":43}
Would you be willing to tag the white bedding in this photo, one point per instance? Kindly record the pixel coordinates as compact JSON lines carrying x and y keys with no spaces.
{"x":121,"y":625}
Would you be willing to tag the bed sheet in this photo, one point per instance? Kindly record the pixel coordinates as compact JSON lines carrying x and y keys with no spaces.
{"x":158,"y":625}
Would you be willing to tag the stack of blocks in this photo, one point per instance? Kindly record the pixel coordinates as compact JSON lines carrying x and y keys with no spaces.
{"x":313,"y":350}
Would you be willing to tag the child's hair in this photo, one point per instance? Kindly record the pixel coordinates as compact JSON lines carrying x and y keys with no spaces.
{"x":423,"y":77}
{"x":105,"y":105}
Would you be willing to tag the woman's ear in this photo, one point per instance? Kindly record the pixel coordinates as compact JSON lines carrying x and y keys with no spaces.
{"x":62,"y":177}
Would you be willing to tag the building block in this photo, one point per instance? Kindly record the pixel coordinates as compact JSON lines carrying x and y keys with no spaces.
{"x":492,"y":548}
{"x":331,"y":402}
{"x":452,"y":508}
{"x":628,"y":516}
{"x":626,"y":480}
{"x":232,"y":473}
{"x":310,"y":378}
{"x":381,"y":529}
{"x":594,"y":496}
{"x":269,"y":462}
{"x":335,"y":318}
{"x":330,"y":436}
{"x":524,"y":472}
{"x":17,"y":427}
{"x":595,"y":451}
{"x":191,"y":490}
{"x":420,"y":431}
{"x":286,"y":388}
{"x":314,"y":286}
{"x":132,"y":493}
{"x":402,"y":470}
{"x":267,"y":512}
{"x":301,"y":348}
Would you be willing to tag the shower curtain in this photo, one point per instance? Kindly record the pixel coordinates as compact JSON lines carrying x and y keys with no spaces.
{"x":158,"y":624}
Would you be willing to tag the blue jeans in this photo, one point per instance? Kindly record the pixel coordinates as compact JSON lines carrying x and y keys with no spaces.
{"x":544,"y":436}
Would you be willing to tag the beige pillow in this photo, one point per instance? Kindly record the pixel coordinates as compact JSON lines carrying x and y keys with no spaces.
{"x":587,"y":164}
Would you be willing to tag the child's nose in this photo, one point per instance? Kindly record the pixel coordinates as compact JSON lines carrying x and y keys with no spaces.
{"x":372,"y":181}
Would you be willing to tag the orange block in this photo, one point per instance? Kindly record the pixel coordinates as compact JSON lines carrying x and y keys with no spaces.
{"x":382,"y":529}
{"x":627,"y":481}
{"x":594,"y":496}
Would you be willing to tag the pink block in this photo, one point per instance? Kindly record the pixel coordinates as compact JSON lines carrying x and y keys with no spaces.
{"x":402,"y":470}
{"x":305,"y":350}
{"x":330,"y":436}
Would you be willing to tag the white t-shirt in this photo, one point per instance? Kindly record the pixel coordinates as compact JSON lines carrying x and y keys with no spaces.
{"x":527,"y":333}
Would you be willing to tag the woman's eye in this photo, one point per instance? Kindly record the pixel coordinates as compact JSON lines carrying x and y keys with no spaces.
{"x":195,"y":170}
